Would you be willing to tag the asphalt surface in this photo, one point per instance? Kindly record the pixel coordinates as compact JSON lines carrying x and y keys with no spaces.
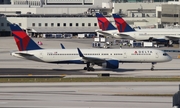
{"x":87,"y":95}
{"x":83,"y":95}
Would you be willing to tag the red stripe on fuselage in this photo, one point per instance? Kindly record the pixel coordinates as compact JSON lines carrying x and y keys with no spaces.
{"x":121,"y":27}
{"x":25,"y":38}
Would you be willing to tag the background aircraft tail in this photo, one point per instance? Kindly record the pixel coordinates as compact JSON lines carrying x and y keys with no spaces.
{"x":122,"y":26}
{"x":23,"y":41}
{"x":104,"y":24}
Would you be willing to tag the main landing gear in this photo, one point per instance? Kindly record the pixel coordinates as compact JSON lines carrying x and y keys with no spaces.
{"x":152,"y":67}
{"x":89,"y":67}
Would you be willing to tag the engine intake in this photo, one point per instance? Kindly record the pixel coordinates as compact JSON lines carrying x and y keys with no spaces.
{"x":112,"y":64}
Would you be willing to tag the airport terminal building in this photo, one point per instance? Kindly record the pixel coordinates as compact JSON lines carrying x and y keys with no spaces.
{"x":72,"y":16}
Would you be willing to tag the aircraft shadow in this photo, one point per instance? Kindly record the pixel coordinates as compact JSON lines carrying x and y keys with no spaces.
{"x":25,"y":71}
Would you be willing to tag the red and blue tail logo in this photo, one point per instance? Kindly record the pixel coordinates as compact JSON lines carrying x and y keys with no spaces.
{"x":122,"y":26}
{"x":23,"y":41}
{"x":104,"y":24}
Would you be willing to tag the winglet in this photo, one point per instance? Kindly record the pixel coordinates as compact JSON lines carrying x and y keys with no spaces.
{"x":80,"y":53}
{"x":62,"y":46}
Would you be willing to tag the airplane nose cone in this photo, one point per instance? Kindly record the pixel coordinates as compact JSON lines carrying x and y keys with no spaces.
{"x":169,"y":58}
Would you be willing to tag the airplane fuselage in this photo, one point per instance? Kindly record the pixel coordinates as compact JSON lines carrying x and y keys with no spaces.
{"x":158,"y":34}
{"x":72,"y":56}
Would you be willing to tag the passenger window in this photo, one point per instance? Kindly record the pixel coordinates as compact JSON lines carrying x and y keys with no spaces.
{"x":58,"y":24}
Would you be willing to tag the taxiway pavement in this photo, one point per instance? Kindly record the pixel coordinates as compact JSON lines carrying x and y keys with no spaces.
{"x":87,"y":95}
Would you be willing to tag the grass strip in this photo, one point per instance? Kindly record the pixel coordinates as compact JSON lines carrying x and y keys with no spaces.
{"x":90,"y":79}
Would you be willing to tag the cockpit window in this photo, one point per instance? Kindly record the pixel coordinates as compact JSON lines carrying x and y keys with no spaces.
{"x":165,"y":54}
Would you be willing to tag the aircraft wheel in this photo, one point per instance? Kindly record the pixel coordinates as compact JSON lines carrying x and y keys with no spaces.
{"x":152,"y":69}
{"x":88,"y":69}
{"x":85,"y":68}
{"x":92,"y":69}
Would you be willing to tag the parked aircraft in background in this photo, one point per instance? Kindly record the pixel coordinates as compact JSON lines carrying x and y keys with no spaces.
{"x":146,"y":34}
{"x":106,"y":58}
{"x":107,"y":29}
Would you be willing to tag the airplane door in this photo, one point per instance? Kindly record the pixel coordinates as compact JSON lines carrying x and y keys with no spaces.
{"x":125,"y":56}
{"x":157,"y":55}
{"x":41,"y":55}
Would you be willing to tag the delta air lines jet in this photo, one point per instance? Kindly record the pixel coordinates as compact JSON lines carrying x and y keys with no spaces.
{"x":107,"y":29}
{"x":106,"y":58}
{"x":146,"y":34}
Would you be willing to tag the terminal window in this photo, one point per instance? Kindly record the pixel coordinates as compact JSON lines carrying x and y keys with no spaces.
{"x":95,"y":24}
{"x":33,"y":24}
{"x":77,"y":24}
{"x":7,"y":24}
{"x":58,"y":24}
{"x":70,"y":24}
{"x":89,"y":24}
{"x":64,"y":24}
{"x":83,"y":24}
{"x":39,"y":24}
{"x":52,"y":24}
{"x":2,"y":24}
{"x":46,"y":24}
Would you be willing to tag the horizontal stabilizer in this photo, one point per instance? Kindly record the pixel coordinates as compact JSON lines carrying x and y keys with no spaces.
{"x":24,"y":54}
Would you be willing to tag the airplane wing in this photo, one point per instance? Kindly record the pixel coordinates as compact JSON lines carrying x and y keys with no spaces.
{"x":173,"y":37}
{"x":91,"y":59}
{"x":107,"y":63}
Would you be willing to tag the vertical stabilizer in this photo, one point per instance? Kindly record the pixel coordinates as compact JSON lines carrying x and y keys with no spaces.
{"x":122,"y":26}
{"x":23,"y":41}
{"x":104,"y":24}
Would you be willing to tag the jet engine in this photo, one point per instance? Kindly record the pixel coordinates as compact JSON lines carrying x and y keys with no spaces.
{"x":112,"y":64}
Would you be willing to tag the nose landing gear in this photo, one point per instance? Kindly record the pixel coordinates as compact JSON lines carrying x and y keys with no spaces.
{"x":152,"y":67}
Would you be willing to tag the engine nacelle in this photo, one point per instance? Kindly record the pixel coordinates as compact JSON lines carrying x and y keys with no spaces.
{"x":112,"y":64}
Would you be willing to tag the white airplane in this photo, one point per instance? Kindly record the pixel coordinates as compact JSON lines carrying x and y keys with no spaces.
{"x":107,"y":29}
{"x":107,"y":58}
{"x":160,"y":35}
